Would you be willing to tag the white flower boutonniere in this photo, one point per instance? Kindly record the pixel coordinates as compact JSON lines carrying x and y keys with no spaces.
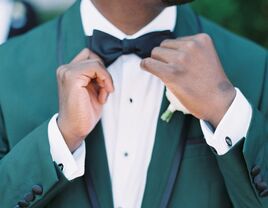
{"x":175,"y":105}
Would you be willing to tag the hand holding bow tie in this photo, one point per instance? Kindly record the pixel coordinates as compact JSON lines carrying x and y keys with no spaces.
{"x":84,"y":86}
{"x":188,"y":66}
{"x":191,"y":69}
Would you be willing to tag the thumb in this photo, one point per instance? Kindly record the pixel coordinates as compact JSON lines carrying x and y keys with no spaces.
{"x":82,"y":56}
{"x":94,"y":56}
{"x":86,"y":54}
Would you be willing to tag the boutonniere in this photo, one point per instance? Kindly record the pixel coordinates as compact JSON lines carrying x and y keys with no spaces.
{"x":175,"y":105}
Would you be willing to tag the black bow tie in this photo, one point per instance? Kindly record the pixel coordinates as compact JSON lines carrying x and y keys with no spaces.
{"x":110,"y":48}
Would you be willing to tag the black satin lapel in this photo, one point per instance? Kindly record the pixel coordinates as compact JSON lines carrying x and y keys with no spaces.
{"x":166,"y":144}
{"x":167,"y":135}
{"x":169,"y":144}
{"x":71,"y":40}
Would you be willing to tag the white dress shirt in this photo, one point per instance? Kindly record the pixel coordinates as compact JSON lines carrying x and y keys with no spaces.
{"x":130,"y":116}
{"x":6,"y":7}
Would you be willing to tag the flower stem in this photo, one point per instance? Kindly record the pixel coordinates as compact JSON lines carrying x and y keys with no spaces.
{"x":167,"y":115}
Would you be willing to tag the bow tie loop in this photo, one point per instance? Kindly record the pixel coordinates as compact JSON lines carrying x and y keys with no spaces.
{"x":109,"y":48}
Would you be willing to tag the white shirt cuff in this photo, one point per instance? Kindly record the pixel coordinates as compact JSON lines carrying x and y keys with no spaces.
{"x":73,"y":164}
{"x":232,"y":128}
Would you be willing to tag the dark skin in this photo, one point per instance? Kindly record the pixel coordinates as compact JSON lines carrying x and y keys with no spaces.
{"x":188,"y":66}
{"x":131,"y":15}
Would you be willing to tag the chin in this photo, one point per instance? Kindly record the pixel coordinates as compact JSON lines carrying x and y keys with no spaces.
{"x":176,"y":2}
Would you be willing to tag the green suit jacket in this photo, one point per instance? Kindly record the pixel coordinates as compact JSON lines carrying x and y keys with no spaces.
{"x":28,"y":99}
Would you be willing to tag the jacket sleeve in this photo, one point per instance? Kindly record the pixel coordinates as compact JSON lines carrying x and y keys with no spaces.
{"x":245,"y":167}
{"x":26,"y":164}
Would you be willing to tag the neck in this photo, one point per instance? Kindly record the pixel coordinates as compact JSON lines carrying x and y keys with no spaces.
{"x":129,"y":15}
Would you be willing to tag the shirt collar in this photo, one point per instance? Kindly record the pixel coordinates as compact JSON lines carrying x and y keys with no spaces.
{"x":6,"y":8}
{"x":92,"y":19}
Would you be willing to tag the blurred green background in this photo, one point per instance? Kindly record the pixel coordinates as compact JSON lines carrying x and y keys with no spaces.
{"x":244,"y":17}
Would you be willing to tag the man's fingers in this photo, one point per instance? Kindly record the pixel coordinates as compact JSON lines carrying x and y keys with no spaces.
{"x":100,"y":82}
{"x":85,"y":72}
{"x":95,"y":70}
{"x":165,"y":55}
{"x":177,"y":43}
{"x":83,"y":55}
{"x":107,"y":84}
{"x":103,"y":95}
{"x":93,"y":55}
{"x":86,"y":54}
{"x":155,"y":67}
{"x":90,"y":65}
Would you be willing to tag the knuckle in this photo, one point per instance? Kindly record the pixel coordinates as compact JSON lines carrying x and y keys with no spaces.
{"x":191,"y":44}
{"x":165,"y":42}
{"x":203,"y":38}
{"x":66,"y":75}
{"x":146,"y":63}
{"x":60,"y":71}
{"x":155,"y":51}
{"x":182,"y":58}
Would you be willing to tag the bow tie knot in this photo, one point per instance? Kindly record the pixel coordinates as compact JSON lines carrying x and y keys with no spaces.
{"x":128,"y":46}
{"x":110,"y":48}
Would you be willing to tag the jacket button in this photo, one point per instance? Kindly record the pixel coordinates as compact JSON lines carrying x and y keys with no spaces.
{"x":61,"y":166}
{"x":255,"y":170}
{"x":37,"y":189}
{"x":261,"y":186}
{"x":214,"y":150}
{"x":29,"y":197}
{"x":23,"y":203}
{"x":264,"y":193}
{"x":228,"y":141}
{"x":257,"y":179}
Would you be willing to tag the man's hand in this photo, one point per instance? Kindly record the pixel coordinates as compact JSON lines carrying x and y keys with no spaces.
{"x":84,"y":86}
{"x":191,"y":69}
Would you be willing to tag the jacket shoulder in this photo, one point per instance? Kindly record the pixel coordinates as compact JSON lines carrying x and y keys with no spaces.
{"x":29,"y":44}
{"x":29,"y":54}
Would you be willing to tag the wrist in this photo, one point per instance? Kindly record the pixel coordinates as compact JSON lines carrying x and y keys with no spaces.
{"x":221,"y":106}
{"x":72,"y":141}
